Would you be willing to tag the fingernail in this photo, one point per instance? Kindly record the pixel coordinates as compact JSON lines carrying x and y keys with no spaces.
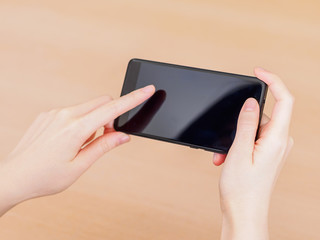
{"x":214,"y":157}
{"x":124,"y":138}
{"x":148,"y":89}
{"x":250,"y":104}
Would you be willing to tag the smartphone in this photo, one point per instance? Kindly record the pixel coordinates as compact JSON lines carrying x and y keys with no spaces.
{"x":195,"y":107}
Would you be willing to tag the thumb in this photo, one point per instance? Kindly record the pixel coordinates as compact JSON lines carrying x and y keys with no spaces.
{"x":246,"y":128}
{"x":93,"y":151}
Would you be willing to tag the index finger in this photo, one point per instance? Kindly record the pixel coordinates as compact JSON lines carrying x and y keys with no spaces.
{"x":108,"y":112}
{"x":282,"y":111}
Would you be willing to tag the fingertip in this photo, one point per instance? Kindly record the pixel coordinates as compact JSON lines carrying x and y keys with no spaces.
{"x":217,"y":163}
{"x":250,"y":105}
{"x":123,"y":138}
{"x":249,"y":113}
{"x":148,"y":89}
{"x":246,"y":127}
{"x":218,"y":159}
{"x":152,"y":86}
{"x":262,"y":74}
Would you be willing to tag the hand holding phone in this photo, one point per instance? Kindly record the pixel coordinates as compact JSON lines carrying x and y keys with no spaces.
{"x":252,"y":166}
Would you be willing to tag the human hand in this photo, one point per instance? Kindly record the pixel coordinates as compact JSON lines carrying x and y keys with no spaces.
{"x":251,"y":167}
{"x":53,"y":153}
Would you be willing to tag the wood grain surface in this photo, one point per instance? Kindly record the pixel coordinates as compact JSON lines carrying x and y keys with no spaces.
{"x":57,"y":53}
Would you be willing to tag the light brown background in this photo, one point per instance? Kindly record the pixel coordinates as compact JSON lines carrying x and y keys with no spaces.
{"x":56,"y":53}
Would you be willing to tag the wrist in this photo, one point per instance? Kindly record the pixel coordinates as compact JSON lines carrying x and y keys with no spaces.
{"x":7,"y":198}
{"x":248,"y":221}
{"x":9,"y":194}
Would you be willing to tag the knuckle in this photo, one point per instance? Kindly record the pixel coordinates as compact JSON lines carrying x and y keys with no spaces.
{"x":291,"y":99}
{"x":42,"y":115}
{"x":275,"y":78}
{"x":247,"y":126}
{"x":79,"y":127}
{"x":115,"y":108}
{"x":64,"y":113}
{"x":248,"y":121}
{"x":53,"y":111}
{"x":291,"y":141}
{"x":278,"y":144}
{"x":134,"y":96}
{"x":104,"y":146}
{"x":287,"y":99}
{"x":46,"y":114}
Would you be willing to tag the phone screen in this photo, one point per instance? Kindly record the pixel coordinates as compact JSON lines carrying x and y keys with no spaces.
{"x":191,"y":106}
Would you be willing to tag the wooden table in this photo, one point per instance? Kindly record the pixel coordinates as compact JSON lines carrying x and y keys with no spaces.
{"x":57,"y":53}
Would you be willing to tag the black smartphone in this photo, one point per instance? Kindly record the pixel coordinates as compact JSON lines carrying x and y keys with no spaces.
{"x":191,"y":106}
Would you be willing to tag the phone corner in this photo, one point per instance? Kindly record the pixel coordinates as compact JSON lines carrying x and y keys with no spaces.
{"x":133,"y":60}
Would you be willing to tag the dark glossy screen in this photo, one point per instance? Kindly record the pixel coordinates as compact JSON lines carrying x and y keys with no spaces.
{"x":190,"y":106}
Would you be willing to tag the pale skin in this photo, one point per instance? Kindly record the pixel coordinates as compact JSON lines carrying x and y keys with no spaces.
{"x":61,"y":145}
{"x":251,"y":167}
